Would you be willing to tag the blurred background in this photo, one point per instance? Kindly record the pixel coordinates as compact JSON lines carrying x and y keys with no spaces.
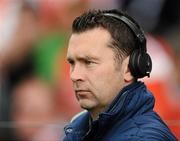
{"x":36,"y":97}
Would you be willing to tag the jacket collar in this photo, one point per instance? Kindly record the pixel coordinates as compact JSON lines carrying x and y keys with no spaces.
{"x":132,"y":98}
{"x":78,"y":128}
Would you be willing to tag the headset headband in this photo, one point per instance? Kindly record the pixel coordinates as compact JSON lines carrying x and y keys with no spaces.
{"x":138,"y":32}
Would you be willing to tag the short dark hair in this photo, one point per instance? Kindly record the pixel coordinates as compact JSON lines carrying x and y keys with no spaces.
{"x":123,"y":42}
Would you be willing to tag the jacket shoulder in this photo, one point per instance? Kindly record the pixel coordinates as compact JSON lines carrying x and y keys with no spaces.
{"x":148,"y":128}
{"x":155,"y":128}
{"x":151,"y":128}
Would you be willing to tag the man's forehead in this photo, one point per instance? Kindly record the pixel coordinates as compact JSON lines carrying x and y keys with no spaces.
{"x":89,"y":44}
{"x":92,"y":39}
{"x":97,"y":33}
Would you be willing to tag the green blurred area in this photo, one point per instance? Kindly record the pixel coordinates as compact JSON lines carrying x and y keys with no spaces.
{"x":46,"y":52}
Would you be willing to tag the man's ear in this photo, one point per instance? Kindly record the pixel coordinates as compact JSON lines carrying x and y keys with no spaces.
{"x":126,"y":72}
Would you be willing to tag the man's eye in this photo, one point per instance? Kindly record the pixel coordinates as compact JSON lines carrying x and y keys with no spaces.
{"x":87,"y":62}
{"x":71,"y":62}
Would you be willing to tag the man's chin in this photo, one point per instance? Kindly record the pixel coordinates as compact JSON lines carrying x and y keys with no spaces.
{"x":87,"y":104}
{"x":86,"y":107}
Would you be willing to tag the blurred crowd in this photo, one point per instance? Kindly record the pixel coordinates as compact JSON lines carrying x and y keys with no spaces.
{"x":36,"y":97}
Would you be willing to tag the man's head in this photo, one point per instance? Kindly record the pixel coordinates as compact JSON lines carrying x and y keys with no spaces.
{"x":98,"y":53}
{"x":127,"y":37}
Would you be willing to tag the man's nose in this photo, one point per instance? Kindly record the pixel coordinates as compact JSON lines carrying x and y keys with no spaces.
{"x":76,"y":73}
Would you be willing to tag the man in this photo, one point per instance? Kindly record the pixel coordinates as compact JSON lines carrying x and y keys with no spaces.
{"x":107,"y":54}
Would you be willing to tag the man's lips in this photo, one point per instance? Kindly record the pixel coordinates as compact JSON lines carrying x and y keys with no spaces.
{"x":82,"y":92}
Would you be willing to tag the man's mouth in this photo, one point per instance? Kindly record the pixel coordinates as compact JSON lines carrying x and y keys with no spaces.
{"x":82,"y":92}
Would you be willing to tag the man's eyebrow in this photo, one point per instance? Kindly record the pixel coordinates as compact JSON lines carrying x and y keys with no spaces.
{"x":90,"y":57}
{"x":82,"y":58}
{"x":87,"y":58}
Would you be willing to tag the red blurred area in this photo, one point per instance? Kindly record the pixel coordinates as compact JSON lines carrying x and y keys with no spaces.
{"x":163,"y":82}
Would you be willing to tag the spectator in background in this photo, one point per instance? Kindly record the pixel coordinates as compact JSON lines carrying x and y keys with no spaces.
{"x":24,"y":35}
{"x":19,"y":30}
{"x":34,"y":111}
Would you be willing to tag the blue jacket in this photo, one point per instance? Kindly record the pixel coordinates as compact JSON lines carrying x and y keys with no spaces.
{"x":130,"y":117}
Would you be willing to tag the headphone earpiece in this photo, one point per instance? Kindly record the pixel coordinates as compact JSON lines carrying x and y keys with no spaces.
{"x":140,"y":64}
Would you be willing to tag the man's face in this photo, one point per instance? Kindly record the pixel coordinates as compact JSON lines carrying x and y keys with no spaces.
{"x":93,"y":70}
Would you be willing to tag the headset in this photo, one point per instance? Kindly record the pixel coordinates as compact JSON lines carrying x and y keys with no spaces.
{"x":140,"y":63}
